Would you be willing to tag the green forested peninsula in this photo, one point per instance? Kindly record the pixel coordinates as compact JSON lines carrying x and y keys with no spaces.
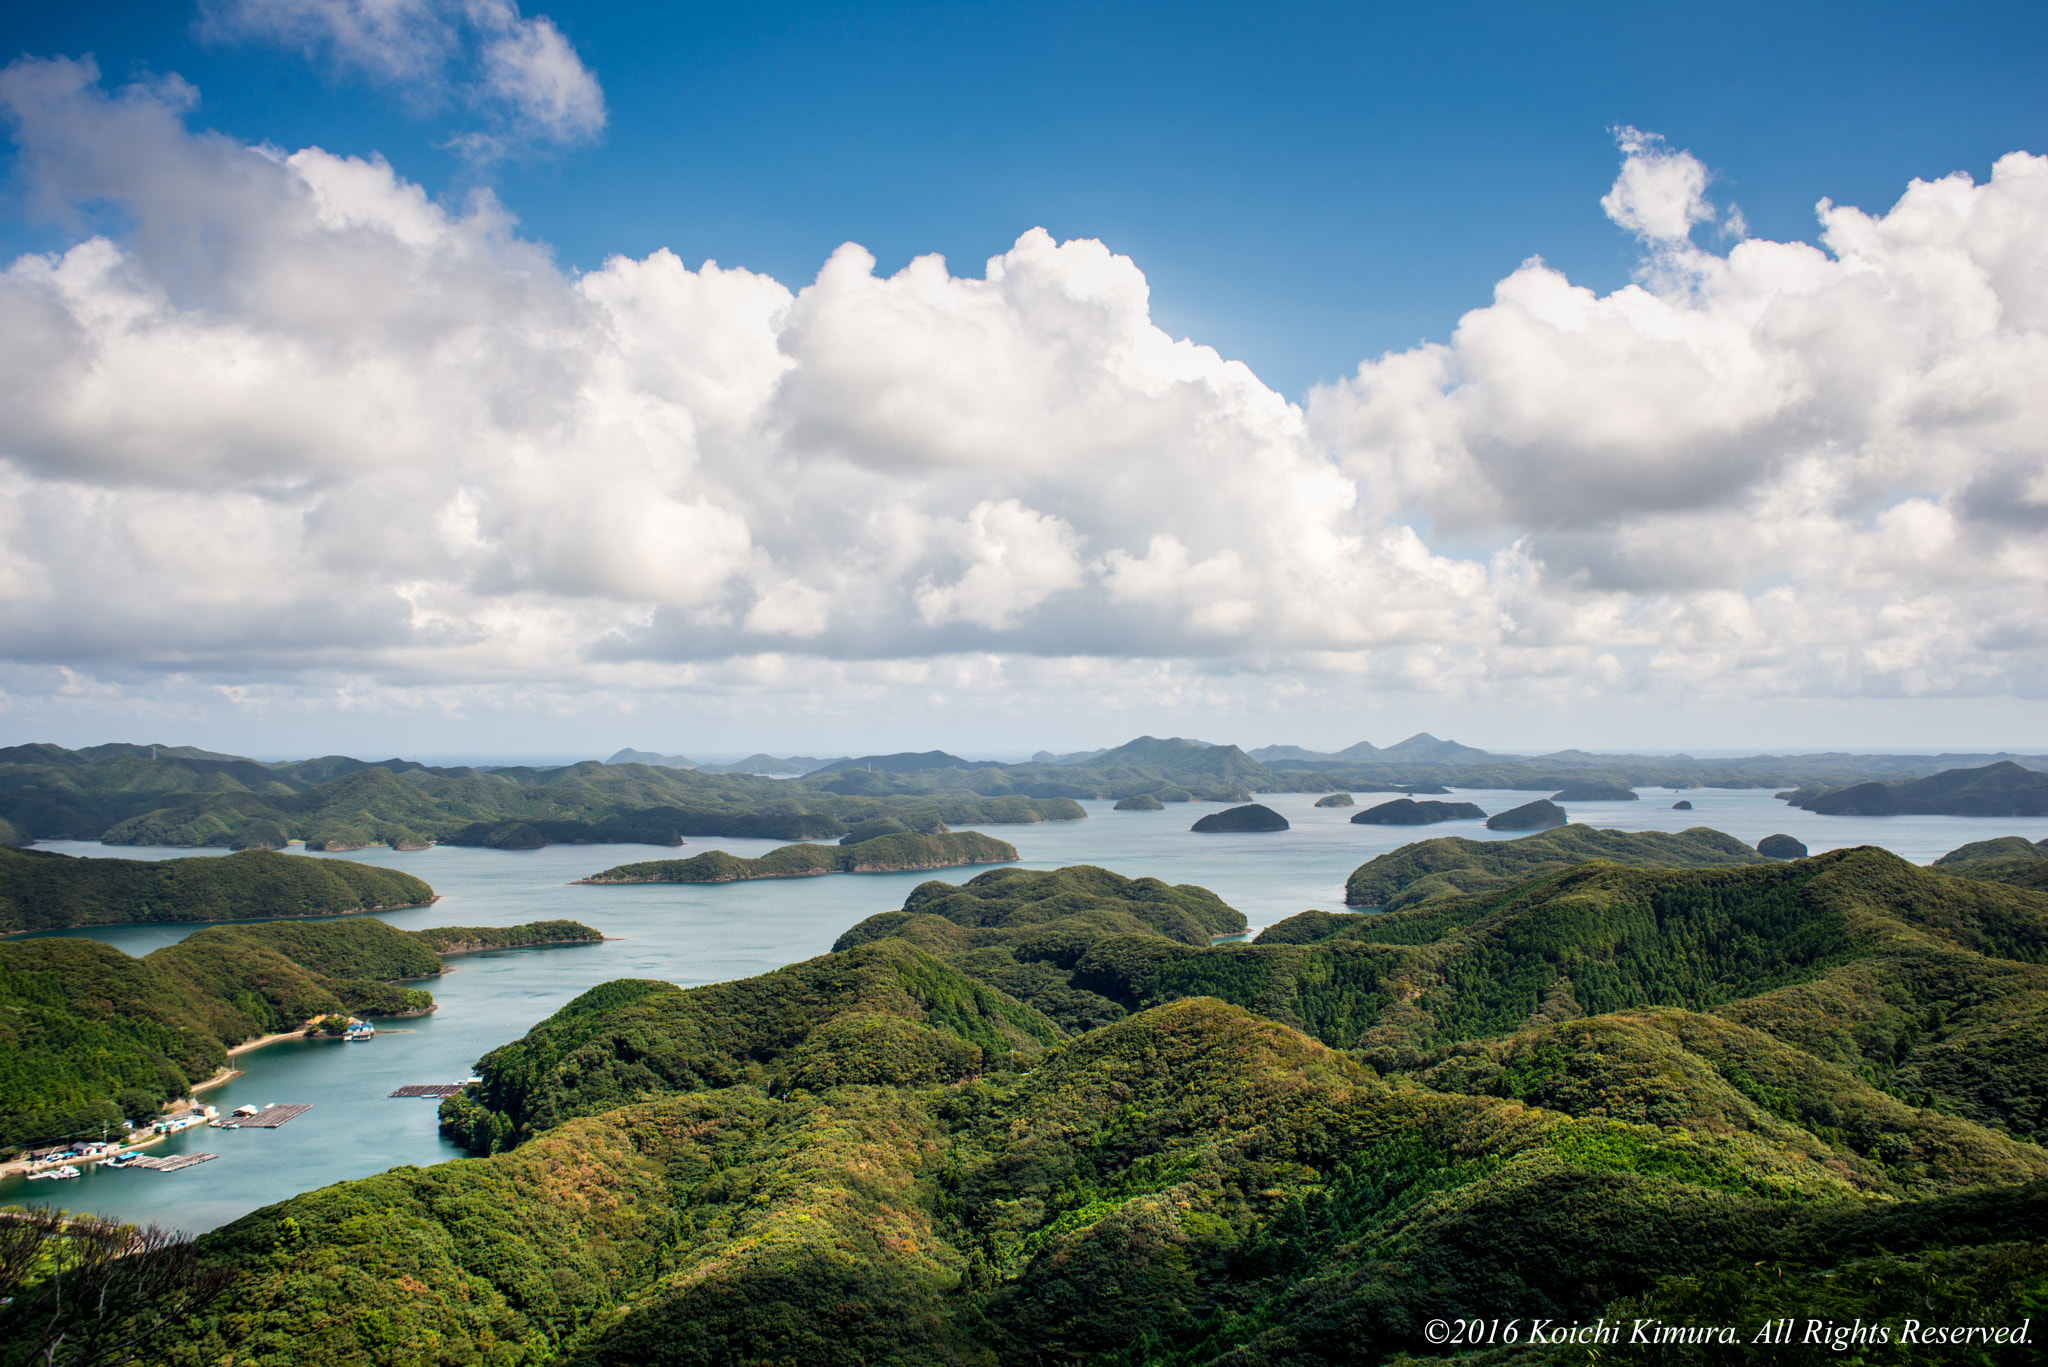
{"x":1451,"y":864}
{"x":89,"y":1035}
{"x":43,"y":890}
{"x":882,"y":854}
{"x":1710,"y":1095}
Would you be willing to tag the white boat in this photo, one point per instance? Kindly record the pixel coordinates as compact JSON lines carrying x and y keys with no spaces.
{"x":57,"y":1174}
{"x":359,"y":1033}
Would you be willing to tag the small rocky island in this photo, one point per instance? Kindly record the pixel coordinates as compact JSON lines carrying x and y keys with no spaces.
{"x":1335,"y":800}
{"x":1143,"y":802}
{"x":1781,"y":847}
{"x":1540,"y":815}
{"x":1406,"y":811}
{"x":1252,"y":817}
{"x":883,"y":854}
{"x":1682,"y":805}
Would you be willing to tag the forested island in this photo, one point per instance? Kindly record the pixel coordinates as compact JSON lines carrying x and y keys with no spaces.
{"x":90,"y":1035}
{"x":1596,"y":790}
{"x":1540,"y":815}
{"x":1035,"y":1118}
{"x":1406,"y":811}
{"x":894,"y":853}
{"x":1255,"y":816}
{"x":44,"y":890}
{"x":446,"y":940}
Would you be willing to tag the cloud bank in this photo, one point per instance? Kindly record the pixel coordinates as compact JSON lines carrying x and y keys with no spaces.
{"x":305,"y":428}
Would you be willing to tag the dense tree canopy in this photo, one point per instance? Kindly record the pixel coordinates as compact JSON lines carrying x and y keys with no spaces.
{"x":1722,"y":1094}
{"x":42,"y":890}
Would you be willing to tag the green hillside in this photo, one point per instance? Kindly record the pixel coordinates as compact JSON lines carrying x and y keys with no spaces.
{"x":1453,"y":864}
{"x":89,"y":1035}
{"x":42,"y":890}
{"x":883,"y":1013}
{"x":2008,"y":859}
{"x":1192,"y":1185}
{"x":1710,"y":1095}
{"x":1028,"y":933}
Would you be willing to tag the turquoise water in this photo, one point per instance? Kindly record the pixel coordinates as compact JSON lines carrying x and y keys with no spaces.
{"x":702,"y":934}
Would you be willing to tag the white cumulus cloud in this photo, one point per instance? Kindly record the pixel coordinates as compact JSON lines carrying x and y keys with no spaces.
{"x":307,"y":429}
{"x":1660,"y":193}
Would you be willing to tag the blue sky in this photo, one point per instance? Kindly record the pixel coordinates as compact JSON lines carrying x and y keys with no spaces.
{"x":1304,"y":185}
{"x":361,"y":384}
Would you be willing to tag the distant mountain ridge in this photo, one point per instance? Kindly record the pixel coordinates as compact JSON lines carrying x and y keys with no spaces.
{"x":904,"y":762}
{"x":768,"y":766}
{"x":631,"y":756}
{"x":772,"y":766}
{"x":127,"y":794}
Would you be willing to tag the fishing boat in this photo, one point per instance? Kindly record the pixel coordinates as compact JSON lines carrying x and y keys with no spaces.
{"x":55,"y":1174}
{"x":360,"y":1031}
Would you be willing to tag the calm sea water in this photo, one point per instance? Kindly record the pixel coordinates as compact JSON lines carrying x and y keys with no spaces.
{"x":702,"y":934}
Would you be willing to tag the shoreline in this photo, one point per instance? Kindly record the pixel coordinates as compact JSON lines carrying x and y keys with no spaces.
{"x":246,"y":1045}
{"x":226,"y":1075}
{"x":21,"y":1167}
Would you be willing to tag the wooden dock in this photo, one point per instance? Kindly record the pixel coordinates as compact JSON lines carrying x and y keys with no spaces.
{"x":269,"y":1118}
{"x":433,"y":1089}
{"x":169,"y":1164}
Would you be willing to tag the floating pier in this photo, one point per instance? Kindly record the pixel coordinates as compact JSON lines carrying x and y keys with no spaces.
{"x":269,"y":1118}
{"x":169,"y":1164}
{"x":433,"y":1089}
